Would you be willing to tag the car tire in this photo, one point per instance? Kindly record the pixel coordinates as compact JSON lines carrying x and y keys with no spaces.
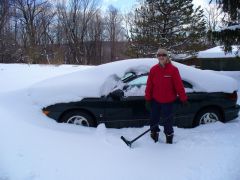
{"x":79,"y":118}
{"x":207,"y":116}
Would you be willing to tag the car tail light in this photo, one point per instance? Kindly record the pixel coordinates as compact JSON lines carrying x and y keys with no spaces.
{"x":233,"y":96}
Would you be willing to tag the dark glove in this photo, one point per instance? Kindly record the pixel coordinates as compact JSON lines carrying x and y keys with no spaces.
{"x":148,"y":105}
{"x":185,"y":104}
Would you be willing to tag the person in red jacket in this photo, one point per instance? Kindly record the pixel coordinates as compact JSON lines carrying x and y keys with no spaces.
{"x":164,"y":85}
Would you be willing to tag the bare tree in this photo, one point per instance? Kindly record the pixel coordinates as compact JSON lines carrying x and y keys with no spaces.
{"x":114,"y":28}
{"x":95,"y":39}
{"x":129,"y":23}
{"x":34,"y":18}
{"x":213,"y":17}
{"x":4,"y":10}
{"x":45,"y":36}
{"x":7,"y":44}
{"x":75,"y":20}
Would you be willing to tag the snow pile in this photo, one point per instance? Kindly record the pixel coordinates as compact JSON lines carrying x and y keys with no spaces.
{"x":39,"y":73}
{"x":233,"y":27}
{"x":218,"y":52}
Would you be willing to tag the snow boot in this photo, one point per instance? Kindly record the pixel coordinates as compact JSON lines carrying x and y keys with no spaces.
{"x":169,"y":138}
{"x":154,"y":136}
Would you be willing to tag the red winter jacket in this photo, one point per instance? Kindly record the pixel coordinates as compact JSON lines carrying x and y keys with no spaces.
{"x":164,"y":84}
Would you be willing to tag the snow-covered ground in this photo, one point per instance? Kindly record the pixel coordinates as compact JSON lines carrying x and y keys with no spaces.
{"x":218,"y":52}
{"x":18,"y":76}
{"x":35,"y":147}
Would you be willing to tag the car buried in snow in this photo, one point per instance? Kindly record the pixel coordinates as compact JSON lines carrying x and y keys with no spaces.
{"x":212,"y":97}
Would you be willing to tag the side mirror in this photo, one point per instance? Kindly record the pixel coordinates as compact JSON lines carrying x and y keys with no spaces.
{"x":117,"y":94}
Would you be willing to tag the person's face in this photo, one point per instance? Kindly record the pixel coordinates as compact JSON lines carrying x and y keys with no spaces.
{"x":162,"y":58}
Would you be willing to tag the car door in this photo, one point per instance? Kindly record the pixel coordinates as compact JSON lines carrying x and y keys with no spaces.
{"x":140,"y":114}
{"x":118,"y":113}
{"x":128,"y":110}
{"x":184,"y":114}
{"x":134,"y":91}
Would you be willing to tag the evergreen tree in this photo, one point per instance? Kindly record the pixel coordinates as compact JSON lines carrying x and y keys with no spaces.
{"x":171,"y":24}
{"x":231,"y":35}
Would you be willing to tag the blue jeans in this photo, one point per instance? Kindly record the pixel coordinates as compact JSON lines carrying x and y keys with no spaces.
{"x":164,"y":110}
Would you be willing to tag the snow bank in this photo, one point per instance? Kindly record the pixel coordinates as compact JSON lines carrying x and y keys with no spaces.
{"x":218,"y":52}
{"x":29,"y":74}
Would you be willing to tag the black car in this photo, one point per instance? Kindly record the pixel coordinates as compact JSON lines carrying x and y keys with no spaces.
{"x":121,"y":108}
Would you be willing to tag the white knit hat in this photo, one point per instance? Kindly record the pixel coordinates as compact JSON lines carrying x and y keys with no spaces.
{"x":162,"y":51}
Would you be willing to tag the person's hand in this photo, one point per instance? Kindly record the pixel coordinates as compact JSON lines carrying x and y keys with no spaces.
{"x":148,"y":105}
{"x":185,"y":103}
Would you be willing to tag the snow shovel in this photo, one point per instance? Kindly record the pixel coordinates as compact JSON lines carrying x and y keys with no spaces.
{"x":129,"y":143}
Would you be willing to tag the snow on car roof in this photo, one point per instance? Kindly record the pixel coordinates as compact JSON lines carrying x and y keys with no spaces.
{"x":97,"y":81}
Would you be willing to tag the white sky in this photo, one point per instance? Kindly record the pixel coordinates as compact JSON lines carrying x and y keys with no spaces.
{"x":203,"y":3}
{"x":127,"y":5}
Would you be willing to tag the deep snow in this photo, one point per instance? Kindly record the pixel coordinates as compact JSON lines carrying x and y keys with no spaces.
{"x":35,"y":147}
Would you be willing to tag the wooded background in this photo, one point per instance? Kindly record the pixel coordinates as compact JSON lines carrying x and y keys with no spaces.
{"x":79,"y":32}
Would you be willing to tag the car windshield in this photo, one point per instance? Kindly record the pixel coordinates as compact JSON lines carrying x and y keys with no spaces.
{"x":128,"y":76}
{"x":141,"y":80}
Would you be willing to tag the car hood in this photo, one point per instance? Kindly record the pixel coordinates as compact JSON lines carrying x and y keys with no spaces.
{"x":100,"y":80}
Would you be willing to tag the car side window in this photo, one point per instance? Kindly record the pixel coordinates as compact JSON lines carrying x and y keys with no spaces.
{"x":136,"y":87}
{"x":142,"y":80}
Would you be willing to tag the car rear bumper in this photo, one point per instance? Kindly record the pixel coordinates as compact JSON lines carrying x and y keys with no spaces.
{"x":231,"y":113}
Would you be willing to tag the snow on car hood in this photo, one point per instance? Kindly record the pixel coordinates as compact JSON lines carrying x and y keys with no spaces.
{"x":100,"y":80}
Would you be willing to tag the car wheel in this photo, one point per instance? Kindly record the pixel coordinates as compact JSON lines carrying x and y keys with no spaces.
{"x":78,"y":118}
{"x":207,"y":116}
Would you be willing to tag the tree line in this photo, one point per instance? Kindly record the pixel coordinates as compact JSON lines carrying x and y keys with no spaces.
{"x":79,"y":32}
{"x":38,"y":31}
